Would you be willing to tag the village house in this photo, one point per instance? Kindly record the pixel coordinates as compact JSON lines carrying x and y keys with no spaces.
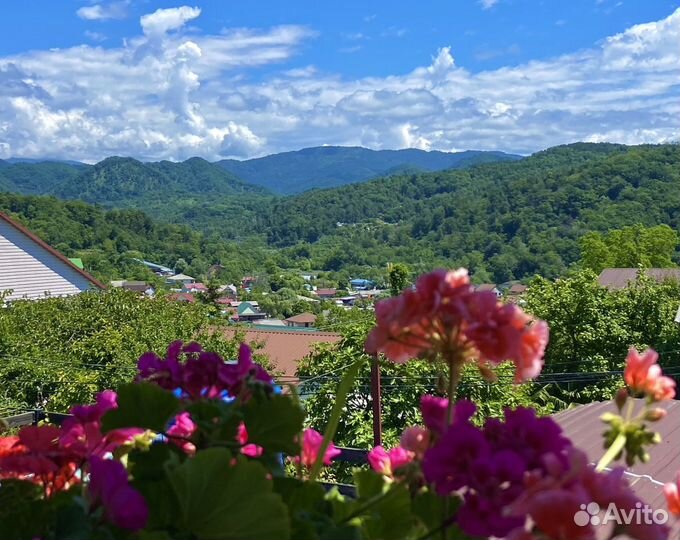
{"x":325,"y":293}
{"x":179,"y":280}
{"x":360,"y":284}
{"x":141,"y":287}
{"x":248,"y":312}
{"x":303,"y":320}
{"x":195,"y":287}
{"x":157,"y":269}
{"x":32,"y":269}
{"x":182,"y":297}
{"x":489,"y":287}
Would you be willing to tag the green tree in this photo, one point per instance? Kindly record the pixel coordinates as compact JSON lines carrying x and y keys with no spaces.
{"x":630,"y":247}
{"x":591,"y":329}
{"x":398,"y":275}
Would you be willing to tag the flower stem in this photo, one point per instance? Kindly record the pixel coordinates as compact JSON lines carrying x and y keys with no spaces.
{"x":612,"y":452}
{"x":454,"y":379}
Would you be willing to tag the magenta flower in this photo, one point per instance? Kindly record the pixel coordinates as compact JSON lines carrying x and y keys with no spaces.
{"x":180,"y":431}
{"x":123,"y":505}
{"x":233,"y":377}
{"x":82,"y":435}
{"x":247,"y":449}
{"x":201,"y":374}
{"x":388,"y":462}
{"x":434,"y":411}
{"x":311,"y":446}
{"x":448,"y":464}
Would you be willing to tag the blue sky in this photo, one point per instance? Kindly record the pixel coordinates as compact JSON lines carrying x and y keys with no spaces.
{"x":219,"y":78}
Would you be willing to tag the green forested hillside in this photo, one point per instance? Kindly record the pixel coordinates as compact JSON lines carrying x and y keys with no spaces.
{"x":36,"y":178}
{"x":329,"y":166}
{"x":118,"y":180}
{"x":108,"y":241}
{"x":504,"y":220}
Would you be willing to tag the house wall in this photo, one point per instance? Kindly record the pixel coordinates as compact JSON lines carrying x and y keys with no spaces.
{"x":31,"y":271}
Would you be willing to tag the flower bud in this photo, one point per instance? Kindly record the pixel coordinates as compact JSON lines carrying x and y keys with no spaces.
{"x":415,"y":439}
{"x":654,"y":415}
{"x":621,"y":398}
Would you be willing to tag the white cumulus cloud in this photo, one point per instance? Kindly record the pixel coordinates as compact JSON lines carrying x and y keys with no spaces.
{"x":164,"y":20}
{"x":166,"y":95}
{"x":101,"y":12}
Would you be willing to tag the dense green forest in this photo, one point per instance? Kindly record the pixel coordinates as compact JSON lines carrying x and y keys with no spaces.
{"x":330,"y":166}
{"x":108,"y":241}
{"x":504,"y":220}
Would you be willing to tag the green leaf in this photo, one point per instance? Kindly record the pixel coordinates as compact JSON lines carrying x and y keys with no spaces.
{"x":142,"y":405}
{"x":340,"y":399}
{"x":21,"y":513}
{"x":384,"y":508}
{"x":72,"y":523}
{"x":149,"y":470}
{"x":273,"y":422}
{"x":222,"y":501}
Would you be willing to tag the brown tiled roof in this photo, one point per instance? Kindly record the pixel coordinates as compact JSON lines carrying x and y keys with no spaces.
{"x":517,"y":288}
{"x":285,"y":348}
{"x":182,"y":297}
{"x":23,"y":230}
{"x":486,"y":287}
{"x":620,"y":278}
{"x":325,"y":292}
{"x":303,"y":318}
{"x":583,"y":426}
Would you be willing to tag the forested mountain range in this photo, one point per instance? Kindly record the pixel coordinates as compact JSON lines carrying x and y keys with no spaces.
{"x":123,"y":180}
{"x":504,"y":220}
{"x":330,"y":166}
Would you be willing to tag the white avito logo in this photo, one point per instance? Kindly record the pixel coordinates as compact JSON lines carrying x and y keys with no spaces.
{"x":640,"y":515}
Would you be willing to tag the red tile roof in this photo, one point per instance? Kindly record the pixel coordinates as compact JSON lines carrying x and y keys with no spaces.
{"x":303,"y":318}
{"x":285,"y":348}
{"x":325,"y":292}
{"x":182,"y":297}
{"x":196,"y":286}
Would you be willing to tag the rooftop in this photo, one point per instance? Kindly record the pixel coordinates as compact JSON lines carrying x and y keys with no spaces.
{"x":620,"y":278}
{"x":303,"y":318}
{"x":284,"y":348}
{"x":583,"y":426}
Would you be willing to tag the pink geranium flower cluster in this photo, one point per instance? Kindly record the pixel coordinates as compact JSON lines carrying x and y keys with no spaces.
{"x":643,"y":375}
{"x":52,"y":456}
{"x":518,"y":477}
{"x":444,"y":316}
{"x":201,"y":374}
{"x":552,"y":498}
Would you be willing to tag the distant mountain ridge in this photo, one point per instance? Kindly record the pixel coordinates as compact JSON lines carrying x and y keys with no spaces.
{"x":117,"y":180}
{"x":332,"y":166}
{"x":122,"y":180}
